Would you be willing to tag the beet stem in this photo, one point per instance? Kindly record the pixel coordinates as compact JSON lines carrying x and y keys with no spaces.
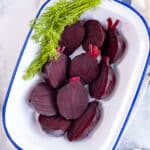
{"x":93,"y":51}
{"x":61,"y":49}
{"x":110,"y":23}
{"x":74,"y":79}
{"x":115,"y":24}
{"x":106,"y":60}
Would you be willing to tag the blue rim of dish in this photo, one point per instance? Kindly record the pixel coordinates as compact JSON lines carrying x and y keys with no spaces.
{"x":19,"y":59}
{"x":142,"y":78}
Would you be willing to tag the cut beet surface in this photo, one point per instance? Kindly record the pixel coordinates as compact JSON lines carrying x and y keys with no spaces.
{"x":94,"y":34}
{"x":104,"y":85}
{"x":115,"y":43}
{"x":85,"y":65}
{"x":72,"y":37}
{"x":83,"y":126}
{"x":43,"y":99}
{"x":55,"y":125}
{"x":72,"y":99}
{"x":56,"y":71}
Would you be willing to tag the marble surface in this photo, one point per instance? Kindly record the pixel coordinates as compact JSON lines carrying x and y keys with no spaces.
{"x":14,"y":18}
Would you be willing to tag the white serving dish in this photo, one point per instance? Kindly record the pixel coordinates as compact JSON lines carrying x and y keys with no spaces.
{"x":18,"y":117}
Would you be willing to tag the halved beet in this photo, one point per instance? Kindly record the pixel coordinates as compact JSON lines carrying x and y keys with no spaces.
{"x":72,"y":99}
{"x":55,"y":125}
{"x":94,"y":34}
{"x":56,"y":71}
{"x":72,"y":37}
{"x":103,"y":86}
{"x":115,"y":43}
{"x":83,"y":126}
{"x":85,"y":65}
{"x":43,"y":99}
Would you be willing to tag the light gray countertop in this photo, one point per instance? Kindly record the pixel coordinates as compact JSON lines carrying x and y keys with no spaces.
{"x":14,"y":18}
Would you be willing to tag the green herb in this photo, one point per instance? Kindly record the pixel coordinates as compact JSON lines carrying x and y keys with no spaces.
{"x":49,"y":27}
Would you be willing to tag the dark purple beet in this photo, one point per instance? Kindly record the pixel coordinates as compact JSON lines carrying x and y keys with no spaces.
{"x":94,"y":34}
{"x":83,"y":126}
{"x":43,"y":99}
{"x":103,"y":86}
{"x":72,"y":99}
{"x":72,"y":37}
{"x":56,"y":71}
{"x":115,"y":43}
{"x":55,"y":125}
{"x":85,"y":65}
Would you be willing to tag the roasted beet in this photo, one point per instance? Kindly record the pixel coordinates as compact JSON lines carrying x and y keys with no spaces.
{"x":115,"y":43}
{"x":43,"y":99}
{"x":55,"y":125}
{"x":105,"y":83}
{"x":94,"y":34}
{"x":56,"y":71}
{"x":85,"y":65}
{"x":72,"y":37}
{"x":72,"y":99}
{"x":81,"y":127}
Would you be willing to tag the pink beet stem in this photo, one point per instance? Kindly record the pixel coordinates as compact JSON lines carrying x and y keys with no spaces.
{"x":61,"y":49}
{"x":93,"y":51}
{"x":106,"y":60}
{"x":115,"y":24}
{"x":111,"y":25}
{"x":74,"y":79}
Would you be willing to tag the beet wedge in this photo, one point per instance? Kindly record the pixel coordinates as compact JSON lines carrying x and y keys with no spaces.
{"x":83,"y":126}
{"x":56,"y":71}
{"x":55,"y":125}
{"x":115,"y":43}
{"x":104,"y":85}
{"x":94,"y":34}
{"x":85,"y":65}
{"x":43,"y":99}
{"x":72,"y":37}
{"x":72,"y":99}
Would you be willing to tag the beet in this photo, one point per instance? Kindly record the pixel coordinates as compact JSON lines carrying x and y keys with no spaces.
{"x":103,"y":86}
{"x":56,"y":71}
{"x":72,"y":37}
{"x":55,"y":125}
{"x":115,"y":44}
{"x":94,"y":34}
{"x":85,"y":65}
{"x":83,"y":126}
{"x":72,"y":99}
{"x":43,"y":99}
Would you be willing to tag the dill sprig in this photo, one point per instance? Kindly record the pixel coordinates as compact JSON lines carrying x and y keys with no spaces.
{"x":49,"y":27}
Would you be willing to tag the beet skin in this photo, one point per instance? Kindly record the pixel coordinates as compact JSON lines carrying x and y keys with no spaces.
{"x":55,"y":125}
{"x":72,"y":99}
{"x":43,"y":99}
{"x":94,"y":34}
{"x":105,"y":83}
{"x":85,"y":65}
{"x":115,"y":43}
{"x":83,"y":126}
{"x":72,"y":37}
{"x":56,"y":71}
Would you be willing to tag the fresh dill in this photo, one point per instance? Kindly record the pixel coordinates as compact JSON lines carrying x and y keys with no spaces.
{"x":49,"y":27}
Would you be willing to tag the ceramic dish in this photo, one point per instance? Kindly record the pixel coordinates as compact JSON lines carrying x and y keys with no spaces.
{"x":18,"y":118}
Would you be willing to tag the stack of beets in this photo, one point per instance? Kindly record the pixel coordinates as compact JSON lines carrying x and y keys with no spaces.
{"x":62,"y":100}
